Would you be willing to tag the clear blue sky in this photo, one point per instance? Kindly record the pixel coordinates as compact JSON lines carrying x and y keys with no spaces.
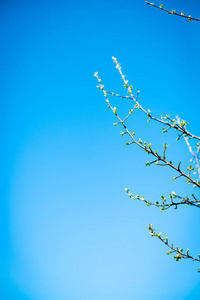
{"x":68,"y":229}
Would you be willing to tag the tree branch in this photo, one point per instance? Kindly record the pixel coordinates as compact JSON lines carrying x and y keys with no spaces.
{"x":164,"y":205}
{"x":145,"y":147}
{"x":179,"y":254}
{"x":173,"y":12}
{"x":164,"y":120}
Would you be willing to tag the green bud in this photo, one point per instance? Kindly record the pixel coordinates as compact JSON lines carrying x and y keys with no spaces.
{"x":115,"y":110}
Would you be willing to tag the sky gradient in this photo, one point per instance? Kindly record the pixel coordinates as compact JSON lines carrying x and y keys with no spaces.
{"x":68,"y":229}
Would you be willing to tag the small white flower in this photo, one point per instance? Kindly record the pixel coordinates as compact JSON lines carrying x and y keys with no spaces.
{"x":101,"y":86}
{"x":118,"y":67}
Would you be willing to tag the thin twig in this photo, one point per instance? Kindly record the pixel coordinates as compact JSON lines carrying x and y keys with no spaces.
{"x":191,"y":151}
{"x":146,"y":148}
{"x":172,"y":12}
{"x":171,"y":125}
{"x":179,"y":252}
{"x":165,"y":205}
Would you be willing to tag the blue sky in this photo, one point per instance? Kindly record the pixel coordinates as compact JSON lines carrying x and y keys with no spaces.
{"x":68,"y":229}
